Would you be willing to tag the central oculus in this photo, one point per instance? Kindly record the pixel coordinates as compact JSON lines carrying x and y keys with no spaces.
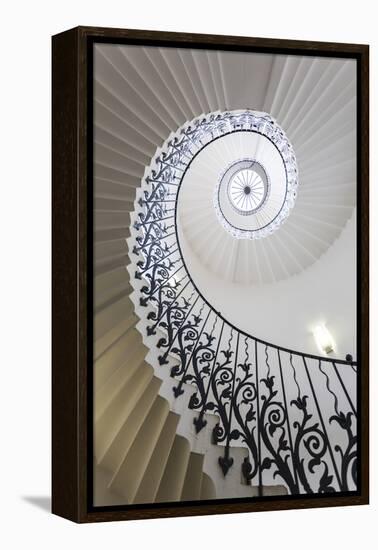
{"x":238,"y":165}
{"x":256,"y":179}
{"x":247,"y":186}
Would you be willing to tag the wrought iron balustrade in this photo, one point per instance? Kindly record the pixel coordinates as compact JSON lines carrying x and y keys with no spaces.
{"x":295,"y":412}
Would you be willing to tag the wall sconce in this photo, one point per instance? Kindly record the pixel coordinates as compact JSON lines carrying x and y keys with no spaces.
{"x":324,"y":339}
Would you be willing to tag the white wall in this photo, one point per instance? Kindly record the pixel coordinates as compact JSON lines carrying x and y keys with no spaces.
{"x":286,"y":313}
{"x":25,"y":289}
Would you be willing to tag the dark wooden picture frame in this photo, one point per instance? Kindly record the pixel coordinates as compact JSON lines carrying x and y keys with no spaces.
{"x":72,"y":218}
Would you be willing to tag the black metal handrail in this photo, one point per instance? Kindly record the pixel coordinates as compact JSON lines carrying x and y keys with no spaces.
{"x":295,"y":412}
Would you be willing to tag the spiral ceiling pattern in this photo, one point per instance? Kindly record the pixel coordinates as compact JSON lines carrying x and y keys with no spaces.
{"x":190,"y":148}
{"x":312,"y":99}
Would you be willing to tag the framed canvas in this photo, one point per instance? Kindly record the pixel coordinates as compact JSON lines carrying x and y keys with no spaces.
{"x":210,"y":274}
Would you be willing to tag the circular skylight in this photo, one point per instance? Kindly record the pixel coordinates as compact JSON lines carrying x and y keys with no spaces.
{"x":247,"y":186}
{"x":246,"y":191}
{"x":253,"y":195}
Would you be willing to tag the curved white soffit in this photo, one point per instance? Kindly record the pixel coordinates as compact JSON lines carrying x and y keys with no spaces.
{"x":144,"y":94}
{"x":259,"y":246}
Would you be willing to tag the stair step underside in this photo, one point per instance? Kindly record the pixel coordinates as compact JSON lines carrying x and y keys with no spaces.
{"x":130,"y":473}
{"x":149,"y":485}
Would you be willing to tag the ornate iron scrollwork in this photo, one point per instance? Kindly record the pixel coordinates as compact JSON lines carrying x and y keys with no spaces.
{"x":274,"y":402}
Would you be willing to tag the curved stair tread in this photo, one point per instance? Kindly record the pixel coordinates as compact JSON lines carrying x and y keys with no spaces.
{"x":110,"y":316}
{"x":173,"y":479}
{"x":193,"y":479}
{"x":110,"y":287}
{"x":149,"y":485}
{"x":112,"y":427}
{"x":115,"y":386}
{"x":102,"y":343}
{"x":130,"y":473}
{"x":102,"y":495}
{"x":207,"y":488}
{"x":126,"y":350}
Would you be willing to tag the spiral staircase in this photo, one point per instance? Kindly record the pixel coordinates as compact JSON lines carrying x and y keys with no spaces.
{"x":187,"y":405}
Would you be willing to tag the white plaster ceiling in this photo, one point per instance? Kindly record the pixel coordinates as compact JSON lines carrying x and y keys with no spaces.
{"x":144,"y":94}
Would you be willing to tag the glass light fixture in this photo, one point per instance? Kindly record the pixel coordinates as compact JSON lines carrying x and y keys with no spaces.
{"x":324,"y":339}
